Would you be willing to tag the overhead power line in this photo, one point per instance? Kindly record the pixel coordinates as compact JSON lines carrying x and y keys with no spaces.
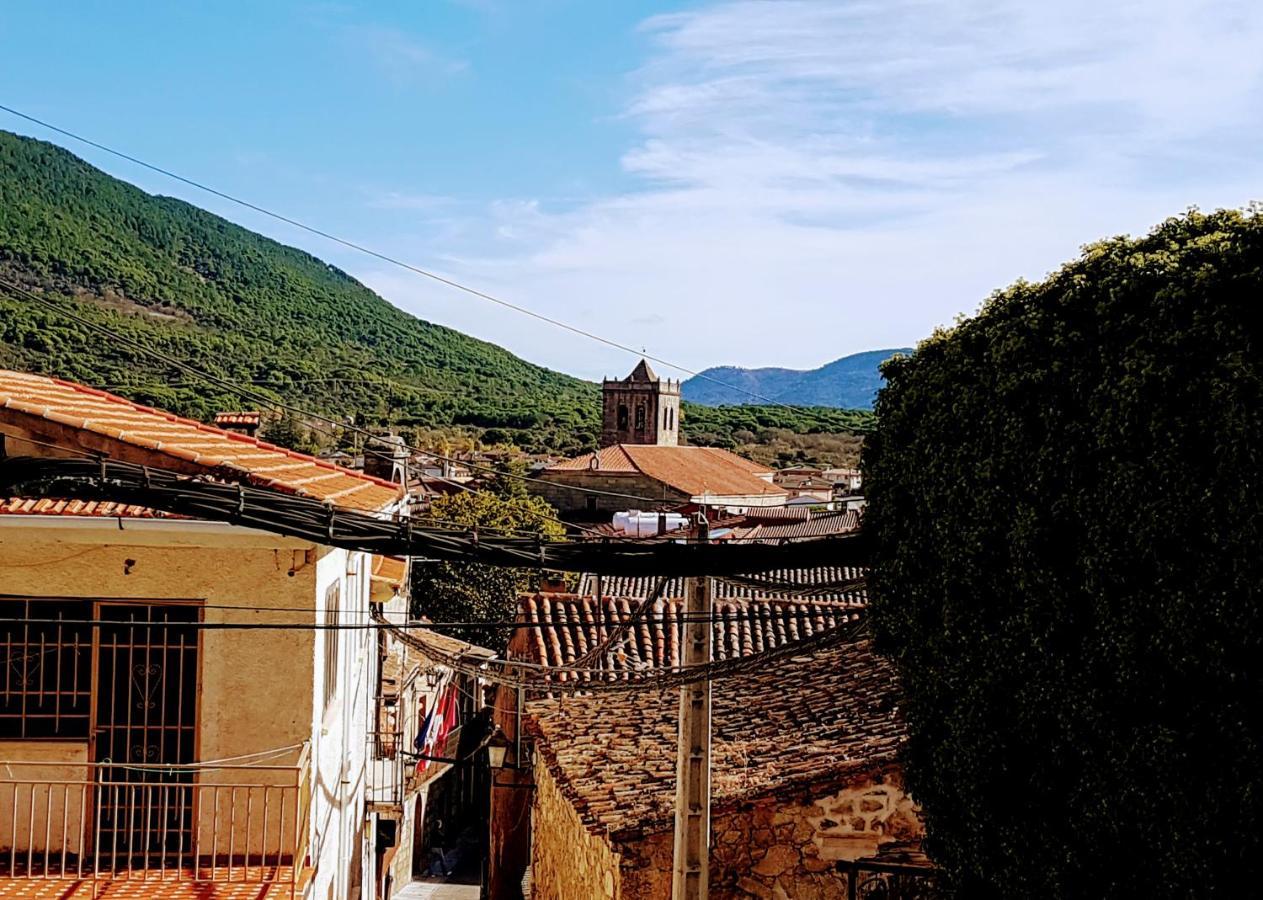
{"x":384,"y":257}
{"x":544,"y":679}
{"x":233,"y":387}
{"x":844,"y":613}
{"x":309,"y":519}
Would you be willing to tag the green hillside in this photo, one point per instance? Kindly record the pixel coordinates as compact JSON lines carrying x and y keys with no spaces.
{"x":247,"y":308}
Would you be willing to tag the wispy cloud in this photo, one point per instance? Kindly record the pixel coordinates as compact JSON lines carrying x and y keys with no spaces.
{"x":400,"y":56}
{"x":386,"y":199}
{"x":822,"y":177}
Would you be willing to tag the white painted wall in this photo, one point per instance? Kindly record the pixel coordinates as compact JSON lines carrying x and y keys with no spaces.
{"x":340,"y":841}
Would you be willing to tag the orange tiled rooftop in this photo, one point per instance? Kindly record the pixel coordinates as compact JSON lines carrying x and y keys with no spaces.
{"x":66,"y":413}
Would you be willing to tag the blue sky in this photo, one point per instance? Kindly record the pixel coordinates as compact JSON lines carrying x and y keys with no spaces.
{"x":750,"y":183}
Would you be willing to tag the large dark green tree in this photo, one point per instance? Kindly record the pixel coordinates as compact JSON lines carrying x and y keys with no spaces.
{"x":475,"y":592}
{"x":1068,"y":518}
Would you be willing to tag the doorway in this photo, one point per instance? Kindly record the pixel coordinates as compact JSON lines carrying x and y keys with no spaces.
{"x":146,"y":666}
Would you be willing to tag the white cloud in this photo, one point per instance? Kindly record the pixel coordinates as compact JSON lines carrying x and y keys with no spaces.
{"x":824,"y":177}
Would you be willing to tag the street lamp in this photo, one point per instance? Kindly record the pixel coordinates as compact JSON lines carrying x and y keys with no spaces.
{"x":497,"y":748}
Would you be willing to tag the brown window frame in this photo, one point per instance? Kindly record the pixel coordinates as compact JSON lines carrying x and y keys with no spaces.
{"x":333,"y":641}
{"x":46,"y":678}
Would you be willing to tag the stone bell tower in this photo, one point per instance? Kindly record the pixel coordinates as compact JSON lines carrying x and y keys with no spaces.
{"x":641,"y":409}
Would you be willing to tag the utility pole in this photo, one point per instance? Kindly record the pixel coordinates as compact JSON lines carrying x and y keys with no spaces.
{"x":690,"y":875}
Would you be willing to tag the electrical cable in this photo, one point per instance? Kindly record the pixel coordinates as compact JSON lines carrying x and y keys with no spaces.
{"x":572,"y":680}
{"x":360,"y":248}
{"x":225,"y":384}
{"x":675,"y":618}
{"x":322,"y":523}
{"x":459,"y":526}
{"x":618,"y":633}
{"x":224,"y":763}
{"x":228,"y":385}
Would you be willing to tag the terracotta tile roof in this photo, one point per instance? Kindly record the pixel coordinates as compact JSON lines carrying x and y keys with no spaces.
{"x":642,"y":372}
{"x":569,"y":625}
{"x":443,"y":642}
{"x":237,"y":418}
{"x":614,"y":755}
{"x":389,"y":576}
{"x":20,"y":506}
{"x":768,"y":585}
{"x":777,"y":513}
{"x":695,"y":471}
{"x":608,"y":460}
{"x":116,"y":426}
{"x":390,"y":569}
{"x":820,"y":525}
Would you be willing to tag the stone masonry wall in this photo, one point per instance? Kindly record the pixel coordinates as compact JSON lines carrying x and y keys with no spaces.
{"x":567,"y":862}
{"x":779,"y":849}
{"x":555,"y":488}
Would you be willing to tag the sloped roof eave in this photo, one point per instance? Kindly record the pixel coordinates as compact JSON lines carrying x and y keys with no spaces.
{"x":38,"y":404}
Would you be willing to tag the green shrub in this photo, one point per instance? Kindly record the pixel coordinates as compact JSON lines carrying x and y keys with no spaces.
{"x":1065,"y":499}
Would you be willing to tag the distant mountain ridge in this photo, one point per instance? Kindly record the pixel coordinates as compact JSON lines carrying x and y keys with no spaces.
{"x":178,"y":279}
{"x":851,"y":382}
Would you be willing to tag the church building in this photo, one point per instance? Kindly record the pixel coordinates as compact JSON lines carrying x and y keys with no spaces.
{"x":641,"y":464}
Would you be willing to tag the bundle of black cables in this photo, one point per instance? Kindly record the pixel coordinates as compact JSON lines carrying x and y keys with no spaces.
{"x":308,"y":518}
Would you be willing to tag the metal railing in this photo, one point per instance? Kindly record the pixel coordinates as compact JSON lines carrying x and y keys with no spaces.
{"x":89,"y":822}
{"x":387,"y":768}
{"x":872,"y":879}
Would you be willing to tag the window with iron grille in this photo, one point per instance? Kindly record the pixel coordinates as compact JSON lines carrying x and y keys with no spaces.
{"x":46,"y":683}
{"x":333,"y":605}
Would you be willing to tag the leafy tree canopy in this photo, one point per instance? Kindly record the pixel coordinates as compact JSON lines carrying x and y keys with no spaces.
{"x":466,"y":592}
{"x":1064,"y":495}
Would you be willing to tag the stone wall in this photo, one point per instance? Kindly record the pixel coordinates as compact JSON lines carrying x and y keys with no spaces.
{"x":660,"y":402}
{"x":555,"y":488}
{"x":783,"y":848}
{"x":510,"y":841}
{"x":567,"y":862}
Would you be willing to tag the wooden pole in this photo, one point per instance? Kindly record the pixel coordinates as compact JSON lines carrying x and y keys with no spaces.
{"x":691,"y":870}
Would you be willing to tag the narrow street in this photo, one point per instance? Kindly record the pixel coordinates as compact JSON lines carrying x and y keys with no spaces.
{"x":438,"y":890}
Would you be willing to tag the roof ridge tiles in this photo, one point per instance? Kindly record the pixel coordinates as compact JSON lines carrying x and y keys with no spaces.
{"x":88,"y":409}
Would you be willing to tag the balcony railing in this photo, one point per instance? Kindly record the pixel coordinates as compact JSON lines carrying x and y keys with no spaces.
{"x":245,"y":824}
{"x":387,"y":769}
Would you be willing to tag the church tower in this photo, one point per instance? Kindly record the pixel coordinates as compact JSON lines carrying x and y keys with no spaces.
{"x":641,"y":409}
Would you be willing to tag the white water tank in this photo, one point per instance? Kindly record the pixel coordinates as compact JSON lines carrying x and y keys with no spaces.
{"x":635,"y":523}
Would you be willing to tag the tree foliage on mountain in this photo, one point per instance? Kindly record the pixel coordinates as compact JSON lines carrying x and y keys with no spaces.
{"x":1064,"y":496}
{"x":474,"y":592}
{"x":246,"y":308}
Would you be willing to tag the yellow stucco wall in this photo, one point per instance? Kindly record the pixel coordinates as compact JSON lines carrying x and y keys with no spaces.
{"x":254,"y":687}
{"x":44,"y":814}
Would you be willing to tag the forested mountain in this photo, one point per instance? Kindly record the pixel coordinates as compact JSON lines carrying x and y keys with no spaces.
{"x":849,"y":383}
{"x":247,"y":308}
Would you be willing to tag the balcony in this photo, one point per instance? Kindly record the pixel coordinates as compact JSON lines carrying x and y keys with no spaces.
{"x":387,"y":770}
{"x":167,"y":831}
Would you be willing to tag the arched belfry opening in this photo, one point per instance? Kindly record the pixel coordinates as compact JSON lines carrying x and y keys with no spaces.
{"x":641,"y":409}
